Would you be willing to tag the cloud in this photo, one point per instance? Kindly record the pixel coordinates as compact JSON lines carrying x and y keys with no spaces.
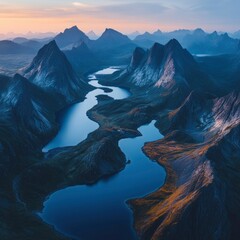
{"x":80,"y":5}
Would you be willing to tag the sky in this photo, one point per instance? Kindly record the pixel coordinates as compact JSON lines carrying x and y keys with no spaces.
{"x":21,"y":16}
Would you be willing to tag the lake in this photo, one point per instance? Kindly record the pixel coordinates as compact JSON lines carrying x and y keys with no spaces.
{"x":99,"y":211}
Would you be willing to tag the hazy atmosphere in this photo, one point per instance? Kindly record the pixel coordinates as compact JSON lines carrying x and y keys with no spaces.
{"x":127,"y":16}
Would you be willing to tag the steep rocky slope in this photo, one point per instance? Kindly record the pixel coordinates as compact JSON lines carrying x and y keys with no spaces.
{"x":201,"y":155}
{"x":20,"y":99}
{"x":169,"y":68}
{"x":51,"y":71}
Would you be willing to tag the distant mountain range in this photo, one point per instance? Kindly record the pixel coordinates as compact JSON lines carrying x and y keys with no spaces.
{"x":29,"y":35}
{"x":197,"y":41}
{"x":9,"y":47}
{"x":115,"y":48}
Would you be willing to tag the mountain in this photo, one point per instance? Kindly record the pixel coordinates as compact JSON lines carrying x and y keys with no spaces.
{"x":82,"y":58}
{"x":51,"y":71}
{"x":235,"y":34}
{"x":92,"y":35}
{"x":147,"y":39}
{"x":20,"y":99}
{"x":20,"y":40}
{"x":111,"y":39}
{"x":35,"y":45}
{"x":70,"y":36}
{"x":112,"y":48}
{"x":133,"y":35}
{"x":9,"y":47}
{"x":169,"y":68}
{"x":200,"y":42}
{"x":201,"y":155}
{"x":223,"y":70}
{"x":196,"y":42}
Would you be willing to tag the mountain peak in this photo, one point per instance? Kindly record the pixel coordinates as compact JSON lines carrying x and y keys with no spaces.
{"x":158,"y":32}
{"x":169,"y":67}
{"x":214,"y":33}
{"x":174,"y":44}
{"x":110,"y":31}
{"x":156,"y":45}
{"x":50,"y":49}
{"x":155,"y":54}
{"x":52,"y":45}
{"x":112,"y":38}
{"x":92,"y":35}
{"x":137,"y":57}
{"x":226,"y":36}
{"x":71,"y":36}
{"x":72,"y":29}
{"x":199,"y":31}
{"x":50,"y":70}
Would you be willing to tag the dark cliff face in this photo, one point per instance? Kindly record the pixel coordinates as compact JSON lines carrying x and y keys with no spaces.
{"x":137,"y":58}
{"x":51,"y":71}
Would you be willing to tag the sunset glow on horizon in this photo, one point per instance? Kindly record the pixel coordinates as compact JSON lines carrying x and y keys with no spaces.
{"x":23,"y":16}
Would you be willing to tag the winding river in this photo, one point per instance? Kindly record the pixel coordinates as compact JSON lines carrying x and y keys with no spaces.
{"x":99,"y":211}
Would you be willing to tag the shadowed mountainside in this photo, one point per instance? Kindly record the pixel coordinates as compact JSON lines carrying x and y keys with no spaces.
{"x":51,"y":71}
{"x":82,"y":58}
